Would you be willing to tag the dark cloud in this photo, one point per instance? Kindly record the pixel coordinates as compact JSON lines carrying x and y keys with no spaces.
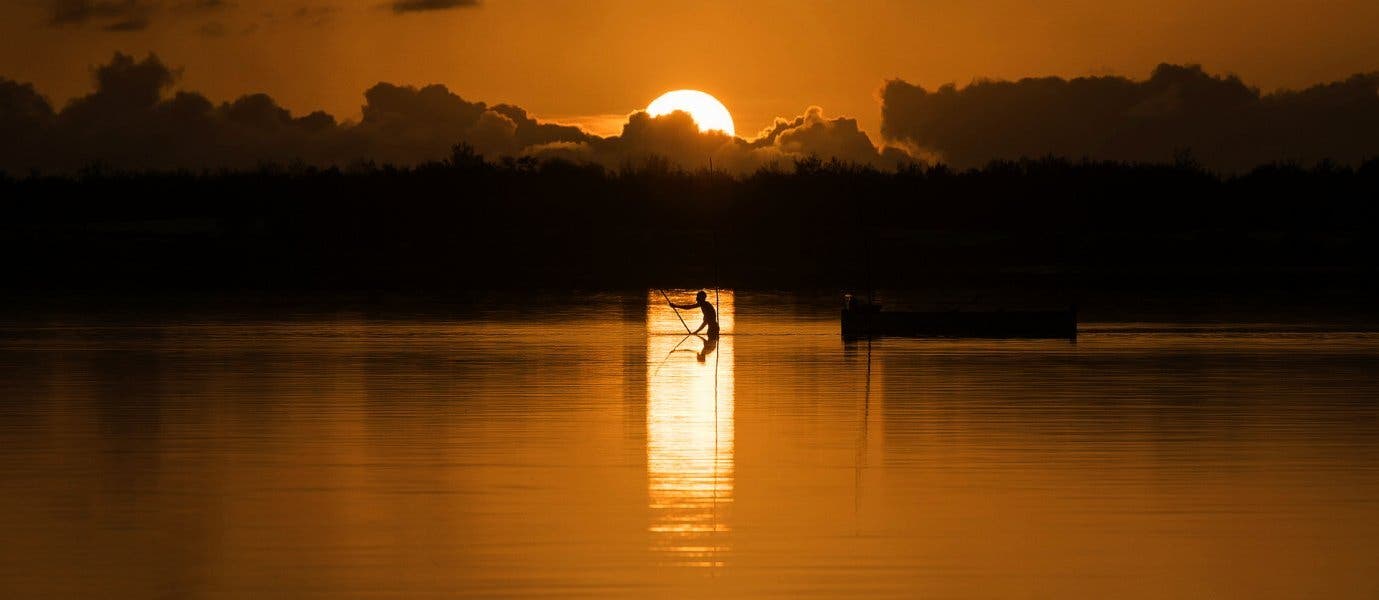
{"x":137,"y":24}
{"x":114,"y":15}
{"x":126,"y":15}
{"x":676,"y":138}
{"x":25,"y":119}
{"x":203,"y":5}
{"x":124,"y":86}
{"x":21,"y":104}
{"x":134,"y":119}
{"x":1225,"y":124}
{"x":813,"y":134}
{"x":411,"y":125}
{"x":406,"y":6}
{"x":530,"y":131}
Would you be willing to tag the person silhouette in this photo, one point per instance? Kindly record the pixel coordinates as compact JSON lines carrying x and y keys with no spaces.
{"x":701,"y":302}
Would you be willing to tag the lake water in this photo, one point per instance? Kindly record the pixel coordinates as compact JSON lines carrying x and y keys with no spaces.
{"x":594,"y":450}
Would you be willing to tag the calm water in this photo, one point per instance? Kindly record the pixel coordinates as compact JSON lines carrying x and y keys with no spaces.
{"x":574,"y":453}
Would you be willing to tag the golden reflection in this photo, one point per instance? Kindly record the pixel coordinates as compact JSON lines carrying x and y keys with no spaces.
{"x":689,"y":425}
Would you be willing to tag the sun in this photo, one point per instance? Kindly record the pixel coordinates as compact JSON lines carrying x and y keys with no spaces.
{"x":708,"y":113}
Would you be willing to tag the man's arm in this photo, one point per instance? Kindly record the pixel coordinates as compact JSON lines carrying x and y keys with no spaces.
{"x":684,"y":306}
{"x":701,"y":327}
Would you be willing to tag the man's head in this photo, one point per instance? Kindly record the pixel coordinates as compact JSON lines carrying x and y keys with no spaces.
{"x":701,"y":296}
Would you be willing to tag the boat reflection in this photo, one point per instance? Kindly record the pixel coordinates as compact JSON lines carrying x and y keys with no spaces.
{"x":689,"y":425}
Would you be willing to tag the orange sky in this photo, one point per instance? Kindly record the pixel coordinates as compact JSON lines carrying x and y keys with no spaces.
{"x":576,"y":60}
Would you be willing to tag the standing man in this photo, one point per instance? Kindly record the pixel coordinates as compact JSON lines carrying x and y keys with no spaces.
{"x":701,"y":301}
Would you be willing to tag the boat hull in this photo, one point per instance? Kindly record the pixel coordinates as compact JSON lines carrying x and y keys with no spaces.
{"x":863,"y":323}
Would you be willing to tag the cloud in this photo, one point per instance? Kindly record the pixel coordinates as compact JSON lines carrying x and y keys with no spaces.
{"x":673,"y":136}
{"x":203,"y":5}
{"x":115,"y":15}
{"x":135,"y":119}
{"x":126,"y":15}
{"x":407,"y":6}
{"x":124,"y":85}
{"x":602,"y":125}
{"x":21,"y":105}
{"x":813,"y":134}
{"x":134,"y":24}
{"x":410,"y":125}
{"x":1225,"y":124}
{"x":676,"y":139}
{"x":25,"y":119}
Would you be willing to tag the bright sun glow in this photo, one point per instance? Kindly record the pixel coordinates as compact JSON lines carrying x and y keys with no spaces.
{"x":708,"y":113}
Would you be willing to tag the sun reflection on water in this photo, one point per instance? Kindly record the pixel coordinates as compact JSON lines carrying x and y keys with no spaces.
{"x":689,"y":424}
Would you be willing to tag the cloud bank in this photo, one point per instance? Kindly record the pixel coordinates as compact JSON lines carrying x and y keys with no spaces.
{"x":1224,"y":123}
{"x":135,"y":120}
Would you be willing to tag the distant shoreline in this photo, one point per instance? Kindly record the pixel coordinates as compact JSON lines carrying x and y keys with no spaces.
{"x":1132,"y":237}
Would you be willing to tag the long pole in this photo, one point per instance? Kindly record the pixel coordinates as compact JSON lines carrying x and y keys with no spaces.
{"x":677,"y":312}
{"x":672,"y":351}
{"x":716,"y":304}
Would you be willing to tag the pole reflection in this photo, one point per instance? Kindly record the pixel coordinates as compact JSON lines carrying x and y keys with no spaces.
{"x":689,"y":425}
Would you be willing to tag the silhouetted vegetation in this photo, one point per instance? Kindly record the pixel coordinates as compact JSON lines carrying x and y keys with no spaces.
{"x":464,"y":223}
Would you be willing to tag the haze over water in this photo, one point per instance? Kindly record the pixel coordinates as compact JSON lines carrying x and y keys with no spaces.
{"x":596,"y":451}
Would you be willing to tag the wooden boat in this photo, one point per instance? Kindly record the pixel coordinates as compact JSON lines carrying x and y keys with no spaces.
{"x":863,"y":320}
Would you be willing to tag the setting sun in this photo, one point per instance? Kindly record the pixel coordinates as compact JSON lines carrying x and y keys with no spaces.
{"x":708,"y":113}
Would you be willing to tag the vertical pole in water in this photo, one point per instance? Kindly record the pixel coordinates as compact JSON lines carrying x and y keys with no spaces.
{"x":717,"y":307}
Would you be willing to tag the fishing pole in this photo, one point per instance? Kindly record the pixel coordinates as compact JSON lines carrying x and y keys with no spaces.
{"x":672,"y":351}
{"x":677,"y":312}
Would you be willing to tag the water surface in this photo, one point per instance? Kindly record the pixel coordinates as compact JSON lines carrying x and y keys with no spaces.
{"x":595,"y":450}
